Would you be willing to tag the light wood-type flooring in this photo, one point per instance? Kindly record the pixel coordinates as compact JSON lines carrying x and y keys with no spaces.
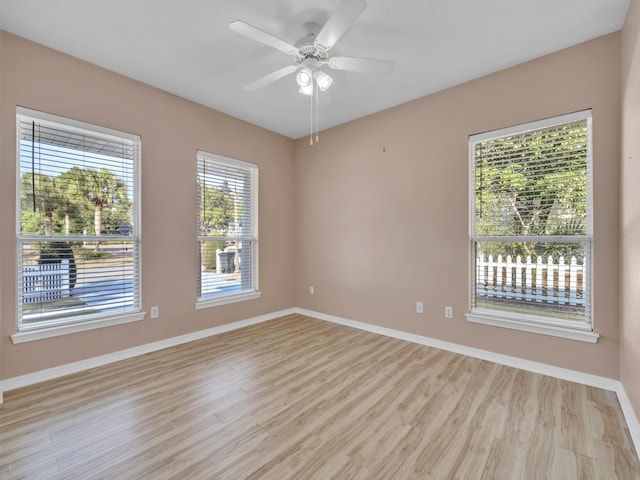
{"x":299,"y":398}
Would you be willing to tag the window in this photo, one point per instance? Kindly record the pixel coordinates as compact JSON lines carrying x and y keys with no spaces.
{"x":531,"y":227}
{"x":78,"y":238}
{"x":227,"y":230}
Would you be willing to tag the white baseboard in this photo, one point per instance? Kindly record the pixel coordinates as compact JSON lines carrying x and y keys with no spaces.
{"x":630,"y":416}
{"x":75,"y":367}
{"x":534,"y":367}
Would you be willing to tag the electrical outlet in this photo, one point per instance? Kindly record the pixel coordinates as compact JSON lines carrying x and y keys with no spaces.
{"x":448,"y":312}
{"x":312,"y":290}
{"x":155,"y":312}
{"x":419,"y":307}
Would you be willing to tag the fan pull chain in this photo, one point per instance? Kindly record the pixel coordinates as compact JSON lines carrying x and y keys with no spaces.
{"x":311,"y":120}
{"x":317,"y":113}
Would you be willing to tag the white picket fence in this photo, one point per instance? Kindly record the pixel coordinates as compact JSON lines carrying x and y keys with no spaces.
{"x":45,"y":282}
{"x":549,"y":282}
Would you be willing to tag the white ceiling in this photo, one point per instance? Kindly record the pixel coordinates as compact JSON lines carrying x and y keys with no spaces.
{"x":186,"y":48}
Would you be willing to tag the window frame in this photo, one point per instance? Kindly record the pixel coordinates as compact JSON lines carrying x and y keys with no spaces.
{"x":67,"y":325}
{"x":214,"y":300}
{"x":581,"y":331}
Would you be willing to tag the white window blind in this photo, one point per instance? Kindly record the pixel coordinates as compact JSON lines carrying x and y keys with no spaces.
{"x":227,"y":227}
{"x":531,"y":225}
{"x":78,"y":235}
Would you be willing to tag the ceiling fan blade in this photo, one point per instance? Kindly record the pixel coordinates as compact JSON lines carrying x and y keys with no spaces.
{"x":341,"y":19}
{"x":263,"y":37}
{"x":364,"y":65}
{"x":272,"y":77}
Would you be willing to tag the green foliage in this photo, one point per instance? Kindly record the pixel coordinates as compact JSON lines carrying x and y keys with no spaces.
{"x":76,"y":202}
{"x":216,"y":210}
{"x":535,"y":250}
{"x":32,"y":222}
{"x":533,"y":184}
{"x":42,"y":195}
{"x":114,"y":217}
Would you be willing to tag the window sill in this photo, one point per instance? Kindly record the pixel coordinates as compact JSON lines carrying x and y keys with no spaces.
{"x":217,"y":301}
{"x":523,"y":323}
{"x":58,"y":330}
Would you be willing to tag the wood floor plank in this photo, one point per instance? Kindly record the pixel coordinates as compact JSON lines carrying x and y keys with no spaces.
{"x":505,"y":461}
{"x":299,"y":398}
{"x":570,"y":465}
{"x":546,"y":433}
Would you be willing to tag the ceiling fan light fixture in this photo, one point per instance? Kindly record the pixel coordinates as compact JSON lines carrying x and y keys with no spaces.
{"x":306,"y":90}
{"x":305,"y":78}
{"x":323,"y":80}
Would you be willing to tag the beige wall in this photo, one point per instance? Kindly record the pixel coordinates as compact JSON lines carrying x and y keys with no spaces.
{"x":630,"y":251}
{"x":3,"y":174}
{"x":382,"y":206}
{"x":172,"y":129}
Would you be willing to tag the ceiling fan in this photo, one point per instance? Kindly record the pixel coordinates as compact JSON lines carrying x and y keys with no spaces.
{"x":311,"y":52}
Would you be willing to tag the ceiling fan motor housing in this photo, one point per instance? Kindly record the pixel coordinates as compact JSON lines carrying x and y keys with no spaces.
{"x":308,"y":53}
